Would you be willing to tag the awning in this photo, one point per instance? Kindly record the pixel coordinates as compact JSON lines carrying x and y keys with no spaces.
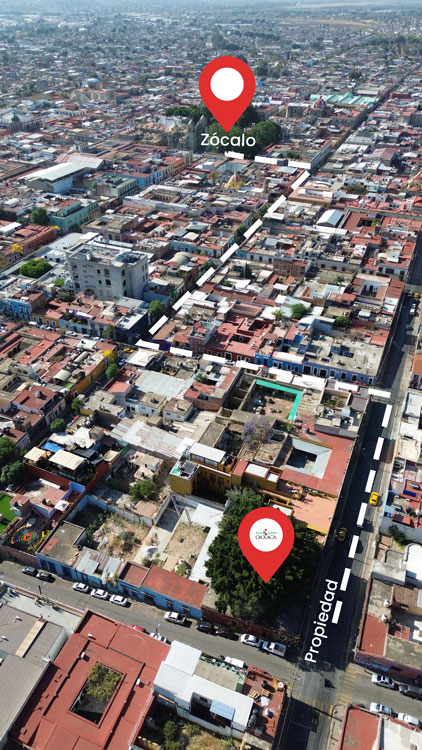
{"x":220,"y":709}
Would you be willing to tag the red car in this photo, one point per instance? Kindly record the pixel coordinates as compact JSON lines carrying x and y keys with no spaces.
{"x":137,"y":627}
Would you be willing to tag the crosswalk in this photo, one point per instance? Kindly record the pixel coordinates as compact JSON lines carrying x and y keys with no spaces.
{"x":347,"y":691}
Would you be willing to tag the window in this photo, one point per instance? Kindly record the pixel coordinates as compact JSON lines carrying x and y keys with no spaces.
{"x":123,"y":272}
{"x":108,"y":282}
{"x":98,"y":270}
{"x":107,"y":272}
{"x":169,"y":604}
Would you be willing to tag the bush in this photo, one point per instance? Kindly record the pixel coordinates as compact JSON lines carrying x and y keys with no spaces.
{"x":170,"y":732}
{"x":112,"y":370}
{"x":298,"y":311}
{"x":143,"y":490}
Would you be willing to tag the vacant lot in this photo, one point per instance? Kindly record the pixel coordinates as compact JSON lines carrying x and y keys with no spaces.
{"x":187,"y":540}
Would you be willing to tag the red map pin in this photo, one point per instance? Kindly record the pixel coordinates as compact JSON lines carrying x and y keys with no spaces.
{"x":227,"y":86}
{"x":266,"y":536}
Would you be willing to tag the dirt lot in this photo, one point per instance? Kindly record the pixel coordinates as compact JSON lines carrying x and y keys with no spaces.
{"x":187,"y":540}
{"x":203,"y":741}
{"x":123,"y":537}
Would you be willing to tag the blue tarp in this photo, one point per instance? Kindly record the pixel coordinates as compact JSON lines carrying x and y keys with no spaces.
{"x":53,"y":447}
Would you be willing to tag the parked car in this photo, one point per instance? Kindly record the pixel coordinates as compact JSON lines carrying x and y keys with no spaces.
{"x":273,"y":647}
{"x":43,"y":575}
{"x":413,"y":310}
{"x":378,"y":708}
{"x":175,"y":617}
{"x":82,"y":587}
{"x":341,"y":534}
{"x":99,"y":593}
{"x":373,"y":498}
{"x":138,"y":628}
{"x":205,"y":627}
{"x":120,"y":600}
{"x":412,"y":691}
{"x":383,"y":681}
{"x":409,"y":719}
{"x":251,"y":640}
{"x":28,"y":570}
{"x":224,"y":631}
{"x":158,"y":637}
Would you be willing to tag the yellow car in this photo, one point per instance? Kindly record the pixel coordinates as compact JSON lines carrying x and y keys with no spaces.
{"x":342,"y":533}
{"x":373,"y":498}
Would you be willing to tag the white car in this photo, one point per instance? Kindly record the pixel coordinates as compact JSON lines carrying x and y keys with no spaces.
{"x":251,"y":640}
{"x":81,"y":587}
{"x":99,"y":593}
{"x":383,"y":681}
{"x":120,"y":600}
{"x":409,"y":719}
{"x":158,"y":637}
{"x":175,"y":618}
{"x":378,"y":708}
{"x":273,"y":647}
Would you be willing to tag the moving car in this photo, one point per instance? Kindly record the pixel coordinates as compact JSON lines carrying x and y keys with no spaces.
{"x":251,"y":640}
{"x":99,"y":593}
{"x":43,"y":575}
{"x":120,"y":600}
{"x":383,"y":681}
{"x":28,"y":570}
{"x":273,"y":647}
{"x":373,"y":498}
{"x":205,"y":627}
{"x":158,"y":637}
{"x":409,"y":719}
{"x":341,"y":534}
{"x":82,"y":587}
{"x":175,"y":617}
{"x":138,"y":628}
{"x":378,"y":708}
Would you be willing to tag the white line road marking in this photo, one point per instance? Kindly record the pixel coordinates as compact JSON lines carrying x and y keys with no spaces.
{"x":345,"y":579}
{"x":336,"y":613}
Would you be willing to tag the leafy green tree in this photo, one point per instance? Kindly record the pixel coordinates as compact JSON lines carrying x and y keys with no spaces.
{"x":298,"y":311}
{"x":39,"y":216}
{"x":236,"y":584}
{"x":170,"y":732}
{"x":58,"y":425}
{"x":8,"y":451}
{"x":262,"y":69}
{"x":278,"y":315}
{"x":76,"y":405}
{"x":59,"y":282}
{"x":112,"y":370}
{"x":155,"y":309}
{"x":13,"y":473}
{"x":143,"y":490}
{"x":33,"y":269}
{"x":108,"y":332}
{"x":65,"y":296}
{"x":240,"y":231}
{"x":102,"y":682}
{"x":342,"y":321}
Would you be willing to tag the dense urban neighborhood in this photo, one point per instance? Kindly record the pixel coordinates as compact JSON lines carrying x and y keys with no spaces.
{"x":190,"y":331}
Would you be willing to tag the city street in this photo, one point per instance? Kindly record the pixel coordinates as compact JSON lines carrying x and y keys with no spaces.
{"x":150,"y":618}
{"x":309,"y":714}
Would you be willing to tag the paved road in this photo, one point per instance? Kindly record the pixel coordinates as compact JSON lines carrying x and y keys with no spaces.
{"x":149,"y":618}
{"x":309,"y":714}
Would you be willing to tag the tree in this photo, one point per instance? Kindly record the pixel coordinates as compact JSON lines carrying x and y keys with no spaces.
{"x":298,"y":311}
{"x":58,"y":425}
{"x":278,"y":315}
{"x":112,"y":371}
{"x":59,"y":282}
{"x":65,"y":296}
{"x":76,"y":405}
{"x":13,"y":473}
{"x":254,"y":432}
{"x":143,"y":490}
{"x":240,"y":231}
{"x":8,"y":451}
{"x":155,"y":309}
{"x":108,"y":332}
{"x":102,"y":682}
{"x":236,"y":584}
{"x":33,"y":269}
{"x":342,"y":321}
{"x":262,"y":69}
{"x":39,"y":216}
